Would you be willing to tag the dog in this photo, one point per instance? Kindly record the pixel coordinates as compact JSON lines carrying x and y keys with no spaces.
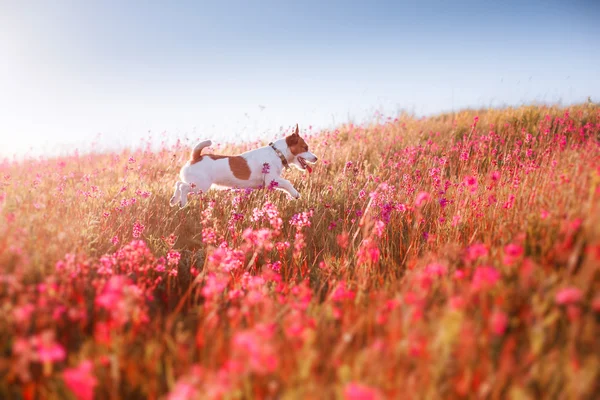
{"x":253,"y":169}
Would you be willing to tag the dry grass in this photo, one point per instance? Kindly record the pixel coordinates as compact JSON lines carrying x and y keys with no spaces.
{"x":447,"y":257}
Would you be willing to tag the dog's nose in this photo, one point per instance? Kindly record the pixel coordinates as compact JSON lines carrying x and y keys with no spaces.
{"x":316,"y":159}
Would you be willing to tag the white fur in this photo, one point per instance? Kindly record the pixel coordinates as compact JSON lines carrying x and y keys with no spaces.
{"x":209,"y":173}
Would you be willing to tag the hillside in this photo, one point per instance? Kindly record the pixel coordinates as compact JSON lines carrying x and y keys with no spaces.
{"x":445,"y":257}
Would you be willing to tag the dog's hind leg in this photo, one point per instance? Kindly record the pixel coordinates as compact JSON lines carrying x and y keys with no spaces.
{"x":176,"y":198}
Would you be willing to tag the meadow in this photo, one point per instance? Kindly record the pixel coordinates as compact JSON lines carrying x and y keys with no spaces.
{"x":455,"y":256}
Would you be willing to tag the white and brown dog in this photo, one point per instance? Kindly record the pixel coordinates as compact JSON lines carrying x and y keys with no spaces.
{"x":252,"y":169}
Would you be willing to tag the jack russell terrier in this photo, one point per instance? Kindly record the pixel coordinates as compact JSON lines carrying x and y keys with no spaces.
{"x":252,"y":169}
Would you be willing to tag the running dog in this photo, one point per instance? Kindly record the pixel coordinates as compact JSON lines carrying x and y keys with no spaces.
{"x":252,"y":169}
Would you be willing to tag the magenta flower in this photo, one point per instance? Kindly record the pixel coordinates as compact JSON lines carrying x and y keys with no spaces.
{"x":81,"y":380}
{"x":512,"y":252}
{"x":173,"y":257}
{"x":484,"y":278}
{"x":421,"y":199}
{"x":476,"y":251}
{"x":138,"y":229}
{"x":357,"y":391}
{"x":436,"y":270}
{"x":570,"y":295}
{"x":50,"y":352}
{"x":498,"y":322}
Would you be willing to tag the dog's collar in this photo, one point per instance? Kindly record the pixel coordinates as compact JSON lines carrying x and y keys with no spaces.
{"x":281,"y":156}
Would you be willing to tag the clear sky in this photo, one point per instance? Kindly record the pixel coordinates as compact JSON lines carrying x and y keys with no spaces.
{"x":227,"y":70}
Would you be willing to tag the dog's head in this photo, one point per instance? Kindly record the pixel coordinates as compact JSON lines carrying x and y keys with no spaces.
{"x":299,"y":149}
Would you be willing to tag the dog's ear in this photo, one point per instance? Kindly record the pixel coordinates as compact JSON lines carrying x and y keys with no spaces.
{"x":293,"y":138}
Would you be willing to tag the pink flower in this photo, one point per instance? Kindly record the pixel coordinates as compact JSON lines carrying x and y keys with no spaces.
{"x":182,"y":391}
{"x":471,"y":182}
{"x":476,"y":251}
{"x":357,"y":391}
{"x":23,"y":313}
{"x":421,"y":199}
{"x":173,"y":257}
{"x":498,"y":322}
{"x":253,"y":348}
{"x":511,"y":253}
{"x":456,"y":303}
{"x":568,"y":295}
{"x":544,"y":214}
{"x":484,"y":278}
{"x":340,"y":293}
{"x":368,"y":252}
{"x":138,"y":229}
{"x":459,"y":274}
{"x":115,"y":240}
{"x":436,"y":269}
{"x":81,"y":380}
{"x":49,"y":352}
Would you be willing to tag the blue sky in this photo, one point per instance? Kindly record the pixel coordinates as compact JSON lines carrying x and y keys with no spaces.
{"x":232,"y":70}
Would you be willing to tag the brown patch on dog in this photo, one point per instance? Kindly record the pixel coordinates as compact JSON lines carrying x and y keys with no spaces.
{"x":197,"y":157}
{"x":239,"y":166}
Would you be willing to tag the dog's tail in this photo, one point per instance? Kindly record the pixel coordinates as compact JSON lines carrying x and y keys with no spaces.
{"x":196,"y":154}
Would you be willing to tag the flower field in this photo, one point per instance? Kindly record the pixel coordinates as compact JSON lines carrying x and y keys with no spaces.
{"x":455,"y":256}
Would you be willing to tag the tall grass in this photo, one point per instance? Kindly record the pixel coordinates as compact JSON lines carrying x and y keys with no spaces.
{"x":445,"y":257}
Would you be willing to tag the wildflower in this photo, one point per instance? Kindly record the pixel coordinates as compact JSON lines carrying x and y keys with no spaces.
{"x":81,"y":381}
{"x":254,"y":350}
{"x":23,"y":313}
{"x":457,"y":219}
{"x":459,"y":274}
{"x":340,"y":293}
{"x":112,"y":292}
{"x":173,"y":257}
{"x":138,"y":229}
{"x":276,"y":266}
{"x":343,"y":240}
{"x":357,"y":391}
{"x":484,"y":278}
{"x":498,"y":322}
{"x":471,"y":182}
{"x":368,"y":252}
{"x":570,"y":295}
{"x":435,"y":269}
{"x":456,"y":303}
{"x":115,"y":240}
{"x":48,"y":350}
{"x":266,"y":168}
{"x":182,"y":391}
{"x":476,"y":251}
{"x":511,"y":253}
{"x":421,"y":199}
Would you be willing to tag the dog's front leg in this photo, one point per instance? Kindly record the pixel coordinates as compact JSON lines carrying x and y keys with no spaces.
{"x":286,"y":186}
